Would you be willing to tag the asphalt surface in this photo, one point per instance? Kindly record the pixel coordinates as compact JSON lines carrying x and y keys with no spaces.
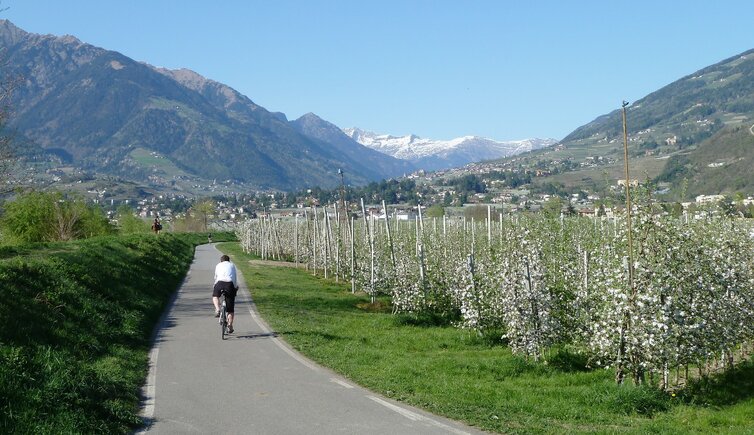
{"x":253,"y":382}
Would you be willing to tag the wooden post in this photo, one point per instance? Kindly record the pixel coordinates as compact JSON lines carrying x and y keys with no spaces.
{"x":473,"y":236}
{"x":421,"y":220}
{"x":273,"y":247}
{"x":389,"y":237}
{"x":625,"y":325}
{"x":279,"y":251}
{"x":423,"y":282}
{"x":326,"y":231}
{"x":366,"y":223}
{"x":501,"y":230}
{"x":665,"y":376}
{"x":314,"y":234}
{"x":308,"y":236}
{"x":266,"y":239}
{"x":336,"y":241}
{"x":371,"y":246}
{"x":353,"y":257}
{"x":534,"y":310}
{"x":444,"y":236}
{"x":489,"y":226}
{"x":261,"y":237}
{"x":586,"y":272}
{"x":416,"y":234}
{"x":464,"y":235}
{"x":270,"y":239}
{"x":470,"y":268}
{"x":397,"y":224}
{"x":295,"y":237}
{"x":279,"y":244}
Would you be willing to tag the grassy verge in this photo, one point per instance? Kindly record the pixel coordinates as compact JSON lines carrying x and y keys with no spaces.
{"x":75,"y":326}
{"x":457,"y":374}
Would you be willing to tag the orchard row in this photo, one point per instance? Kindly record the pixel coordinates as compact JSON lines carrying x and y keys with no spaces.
{"x":684,"y":300}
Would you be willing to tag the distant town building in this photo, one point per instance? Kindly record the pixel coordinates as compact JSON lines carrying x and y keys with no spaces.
{"x":706,"y":199}
{"x":406,"y":216}
{"x":632,"y":183}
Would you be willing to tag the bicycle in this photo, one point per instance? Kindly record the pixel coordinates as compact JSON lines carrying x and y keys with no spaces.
{"x":223,"y":315}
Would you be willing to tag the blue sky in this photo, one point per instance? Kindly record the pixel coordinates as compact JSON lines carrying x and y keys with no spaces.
{"x":439,"y":69}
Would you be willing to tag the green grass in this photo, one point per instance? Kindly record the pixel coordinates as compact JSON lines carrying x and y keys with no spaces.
{"x":641,"y":169}
{"x":457,"y":374}
{"x":145,"y":158}
{"x":76,"y":321}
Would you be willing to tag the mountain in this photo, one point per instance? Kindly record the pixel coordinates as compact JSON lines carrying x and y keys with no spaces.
{"x":432,"y":154}
{"x":683,"y":113}
{"x":690,"y":135}
{"x":102,"y":111}
{"x":720,"y":164}
{"x":371,"y":163}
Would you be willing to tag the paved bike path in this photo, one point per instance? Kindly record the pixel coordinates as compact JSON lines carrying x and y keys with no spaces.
{"x":254,"y":383}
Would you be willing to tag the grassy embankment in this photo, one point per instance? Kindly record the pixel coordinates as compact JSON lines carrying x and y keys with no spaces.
{"x":462,"y":376}
{"x":76,"y":321}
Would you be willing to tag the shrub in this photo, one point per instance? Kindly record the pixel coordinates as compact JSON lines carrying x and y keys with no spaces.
{"x":129,"y":223}
{"x":52,"y":216}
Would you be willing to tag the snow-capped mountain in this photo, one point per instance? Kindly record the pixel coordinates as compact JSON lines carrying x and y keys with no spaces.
{"x":433,"y":154}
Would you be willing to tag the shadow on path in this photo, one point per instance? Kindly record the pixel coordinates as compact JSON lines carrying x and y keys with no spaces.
{"x":259,"y":335}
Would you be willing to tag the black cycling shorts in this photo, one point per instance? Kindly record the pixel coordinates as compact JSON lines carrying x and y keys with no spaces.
{"x":230,"y":294}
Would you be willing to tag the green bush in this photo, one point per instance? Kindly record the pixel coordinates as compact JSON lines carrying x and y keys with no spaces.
{"x":52,"y":216}
{"x":29,"y":218}
{"x":129,"y":223}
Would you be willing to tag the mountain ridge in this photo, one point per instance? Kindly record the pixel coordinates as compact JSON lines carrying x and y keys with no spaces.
{"x":93,"y":107}
{"x":317,"y":128}
{"x":431,"y":154}
{"x":723,"y":90}
{"x":679,"y":135}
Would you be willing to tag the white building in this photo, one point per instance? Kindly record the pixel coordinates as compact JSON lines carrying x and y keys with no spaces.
{"x":706,"y":199}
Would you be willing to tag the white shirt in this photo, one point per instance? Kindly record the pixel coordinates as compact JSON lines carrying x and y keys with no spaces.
{"x":226,"y":271}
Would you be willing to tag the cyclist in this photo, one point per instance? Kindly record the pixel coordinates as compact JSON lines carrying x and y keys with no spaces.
{"x":225,"y":279}
{"x":156,"y":226}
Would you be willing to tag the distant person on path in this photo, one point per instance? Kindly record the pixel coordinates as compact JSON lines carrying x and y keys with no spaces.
{"x":225,"y":279}
{"x":156,"y":226}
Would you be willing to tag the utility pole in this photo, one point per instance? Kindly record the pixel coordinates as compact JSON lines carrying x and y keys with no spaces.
{"x":628,"y":205}
{"x":626,"y":324}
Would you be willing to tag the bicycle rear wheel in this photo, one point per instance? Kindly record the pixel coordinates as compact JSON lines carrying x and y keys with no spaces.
{"x":223,"y":320}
